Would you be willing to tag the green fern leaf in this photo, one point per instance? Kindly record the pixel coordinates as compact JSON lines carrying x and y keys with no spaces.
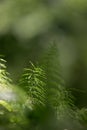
{"x":33,"y":84}
{"x":57,"y":95}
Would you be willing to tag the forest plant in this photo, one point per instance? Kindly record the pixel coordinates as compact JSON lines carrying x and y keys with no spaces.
{"x":11,"y":111}
{"x":33,"y":84}
{"x":44,"y":86}
{"x":59,"y":97}
{"x":46,"y":101}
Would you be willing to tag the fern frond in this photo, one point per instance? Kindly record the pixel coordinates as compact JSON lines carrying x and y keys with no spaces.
{"x":57,"y":95}
{"x":11,"y":99}
{"x":4,"y":75}
{"x":33,"y":84}
{"x":5,"y":82}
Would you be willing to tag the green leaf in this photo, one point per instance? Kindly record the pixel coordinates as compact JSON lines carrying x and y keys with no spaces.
{"x":6,"y":105}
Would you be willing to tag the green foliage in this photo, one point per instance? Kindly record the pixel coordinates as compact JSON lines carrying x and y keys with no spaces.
{"x":44,"y":86}
{"x":4,"y":80}
{"x":40,"y":99}
{"x":11,"y":106}
{"x":81,"y":115}
{"x":33,"y":84}
{"x":58,"y":96}
{"x":6,"y":105}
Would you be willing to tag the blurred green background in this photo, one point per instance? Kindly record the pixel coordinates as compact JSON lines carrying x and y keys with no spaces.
{"x":28,"y":27}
